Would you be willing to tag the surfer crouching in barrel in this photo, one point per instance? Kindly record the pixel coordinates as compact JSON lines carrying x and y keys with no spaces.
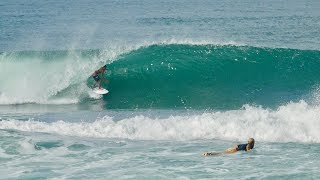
{"x":240,"y":147}
{"x":96,"y":76}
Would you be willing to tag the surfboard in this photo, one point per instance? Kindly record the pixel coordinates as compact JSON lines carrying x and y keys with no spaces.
{"x":100,"y":91}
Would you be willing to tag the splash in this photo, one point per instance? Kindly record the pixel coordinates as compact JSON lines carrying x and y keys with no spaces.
{"x":294,"y":122}
{"x":194,"y":75}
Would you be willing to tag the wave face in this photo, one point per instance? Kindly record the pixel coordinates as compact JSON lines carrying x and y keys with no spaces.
{"x":210,"y":76}
{"x":163,"y":76}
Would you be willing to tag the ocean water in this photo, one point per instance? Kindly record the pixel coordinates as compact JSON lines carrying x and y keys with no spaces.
{"x":185,"y":77}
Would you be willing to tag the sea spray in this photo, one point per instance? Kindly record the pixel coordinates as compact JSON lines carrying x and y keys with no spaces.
{"x":294,"y":122}
{"x":182,"y":76}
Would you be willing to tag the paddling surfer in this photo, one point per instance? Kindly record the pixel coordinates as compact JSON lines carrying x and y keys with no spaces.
{"x":240,"y":147}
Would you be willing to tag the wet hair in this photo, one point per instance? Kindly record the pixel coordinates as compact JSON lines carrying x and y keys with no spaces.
{"x":251,"y":143}
{"x":251,"y":146}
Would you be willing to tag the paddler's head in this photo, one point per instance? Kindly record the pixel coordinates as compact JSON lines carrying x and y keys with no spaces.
{"x":251,"y":142}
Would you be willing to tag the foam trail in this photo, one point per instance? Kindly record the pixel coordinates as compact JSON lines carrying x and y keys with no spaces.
{"x":295,"y":122}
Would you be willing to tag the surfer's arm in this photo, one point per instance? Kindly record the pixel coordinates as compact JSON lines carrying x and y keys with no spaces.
{"x":102,"y":74}
{"x":103,"y":78}
{"x":95,"y":73}
{"x":248,"y":147}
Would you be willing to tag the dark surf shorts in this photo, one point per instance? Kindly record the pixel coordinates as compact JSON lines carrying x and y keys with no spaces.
{"x":242,"y":147}
{"x":96,"y":77}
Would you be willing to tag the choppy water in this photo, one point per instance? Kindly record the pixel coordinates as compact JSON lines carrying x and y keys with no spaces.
{"x":185,"y":78}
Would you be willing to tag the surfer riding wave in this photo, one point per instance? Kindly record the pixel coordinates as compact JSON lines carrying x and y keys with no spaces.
{"x":98,"y":78}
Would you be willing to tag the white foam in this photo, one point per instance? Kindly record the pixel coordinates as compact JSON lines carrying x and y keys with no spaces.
{"x":36,"y":80}
{"x":188,"y":41}
{"x":315,"y":95}
{"x":295,"y":122}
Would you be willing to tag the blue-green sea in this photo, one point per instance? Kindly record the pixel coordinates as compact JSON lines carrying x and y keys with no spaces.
{"x":184,"y":77}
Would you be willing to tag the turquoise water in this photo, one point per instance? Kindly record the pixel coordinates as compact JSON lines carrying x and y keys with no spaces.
{"x":185,"y":78}
{"x":177,"y":76}
{"x":51,"y":156}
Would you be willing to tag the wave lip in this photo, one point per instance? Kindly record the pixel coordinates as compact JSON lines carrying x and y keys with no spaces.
{"x":168,"y":74}
{"x":46,"y":77}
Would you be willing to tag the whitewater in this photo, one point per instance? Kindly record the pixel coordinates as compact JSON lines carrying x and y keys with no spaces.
{"x":184,"y":78}
{"x":199,"y":76}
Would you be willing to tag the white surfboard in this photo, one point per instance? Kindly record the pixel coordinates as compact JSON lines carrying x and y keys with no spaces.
{"x":100,"y":90}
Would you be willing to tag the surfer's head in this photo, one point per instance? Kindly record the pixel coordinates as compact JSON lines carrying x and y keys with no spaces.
{"x":104,"y":67}
{"x":251,"y":143}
